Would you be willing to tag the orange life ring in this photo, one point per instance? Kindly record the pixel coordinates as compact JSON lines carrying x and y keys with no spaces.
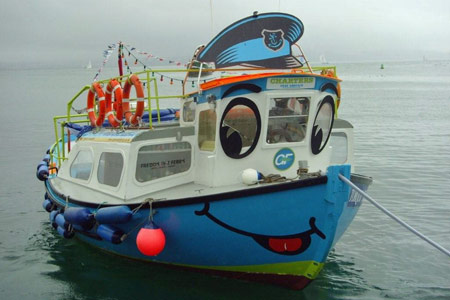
{"x":114,"y":87}
{"x":96,"y":89}
{"x":131,"y":118}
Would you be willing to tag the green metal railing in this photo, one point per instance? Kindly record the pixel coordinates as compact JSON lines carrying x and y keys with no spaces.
{"x":58,"y":150}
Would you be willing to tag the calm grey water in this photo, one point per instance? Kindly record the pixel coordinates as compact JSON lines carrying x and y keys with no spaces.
{"x":402,"y":126}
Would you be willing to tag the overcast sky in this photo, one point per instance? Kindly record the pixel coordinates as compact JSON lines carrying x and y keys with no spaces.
{"x":60,"y":33}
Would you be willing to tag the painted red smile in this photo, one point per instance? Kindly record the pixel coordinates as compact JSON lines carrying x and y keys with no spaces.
{"x":285,"y":245}
{"x":282,"y":245}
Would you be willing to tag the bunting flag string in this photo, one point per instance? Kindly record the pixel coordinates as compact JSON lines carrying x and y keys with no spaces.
{"x":127,"y":54}
{"x":161,"y":59}
{"x":106,"y":55}
{"x":137,"y":60}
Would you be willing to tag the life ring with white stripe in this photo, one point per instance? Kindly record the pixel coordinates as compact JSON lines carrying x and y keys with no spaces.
{"x":131,"y":118}
{"x":114,"y":87}
{"x":96,"y":90}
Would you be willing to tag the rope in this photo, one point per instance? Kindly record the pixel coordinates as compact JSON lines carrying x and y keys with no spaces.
{"x":397,"y":219}
{"x":99,"y":206}
{"x":134,"y":211}
{"x":273,"y":178}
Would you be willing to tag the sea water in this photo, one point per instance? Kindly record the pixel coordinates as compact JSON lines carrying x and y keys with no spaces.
{"x":401,"y":116}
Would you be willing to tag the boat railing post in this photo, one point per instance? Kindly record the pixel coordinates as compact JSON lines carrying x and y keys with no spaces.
{"x":56,"y":141}
{"x":304,"y":57}
{"x":198,"y":78}
{"x":63,"y":141}
{"x":149,"y":100}
{"x":157,"y":100}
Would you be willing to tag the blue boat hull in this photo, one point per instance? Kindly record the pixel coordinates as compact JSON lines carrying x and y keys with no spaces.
{"x":278,"y":233}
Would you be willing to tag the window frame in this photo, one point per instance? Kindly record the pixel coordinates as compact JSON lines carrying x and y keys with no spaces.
{"x":121,"y":178}
{"x":191,"y":101}
{"x":340,"y":134}
{"x":198,"y":131}
{"x":142,"y":183}
{"x":310,"y":96}
{"x":93,"y":166}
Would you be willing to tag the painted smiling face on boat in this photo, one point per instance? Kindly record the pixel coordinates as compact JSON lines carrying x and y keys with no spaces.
{"x":291,"y":244}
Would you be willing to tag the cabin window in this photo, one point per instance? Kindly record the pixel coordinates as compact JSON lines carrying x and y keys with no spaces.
{"x":189,"y":111}
{"x":288,"y":118}
{"x":207,"y":130}
{"x":322,"y":125}
{"x":339,"y":144}
{"x":82,"y":165}
{"x":110,"y":168}
{"x":240,"y":128}
{"x":157,"y":161}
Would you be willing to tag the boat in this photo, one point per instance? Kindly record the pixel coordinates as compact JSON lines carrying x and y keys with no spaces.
{"x":242,"y":180}
{"x":89,"y":65}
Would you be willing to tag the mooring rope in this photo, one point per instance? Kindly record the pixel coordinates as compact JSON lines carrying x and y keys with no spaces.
{"x":397,"y":219}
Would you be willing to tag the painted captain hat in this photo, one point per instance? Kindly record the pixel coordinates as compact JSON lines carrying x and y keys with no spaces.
{"x":263,"y":40}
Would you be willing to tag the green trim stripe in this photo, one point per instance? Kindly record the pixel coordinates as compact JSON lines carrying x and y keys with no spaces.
{"x":309,"y":269}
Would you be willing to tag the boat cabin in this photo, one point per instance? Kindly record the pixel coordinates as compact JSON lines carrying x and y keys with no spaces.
{"x":275,"y":123}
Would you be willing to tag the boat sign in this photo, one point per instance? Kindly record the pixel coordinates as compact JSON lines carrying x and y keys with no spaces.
{"x":291,"y":83}
{"x":284,"y":159}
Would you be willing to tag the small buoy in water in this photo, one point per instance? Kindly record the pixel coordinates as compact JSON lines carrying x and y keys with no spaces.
{"x":251,"y":176}
{"x":150,"y":240}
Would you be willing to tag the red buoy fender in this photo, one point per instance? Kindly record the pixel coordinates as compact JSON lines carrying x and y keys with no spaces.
{"x":96,"y":90}
{"x":114,"y":88}
{"x":131,"y":118}
{"x":150,"y":240}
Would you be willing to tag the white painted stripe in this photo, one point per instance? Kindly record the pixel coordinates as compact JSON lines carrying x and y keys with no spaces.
{"x":101,"y":99}
{"x":108,"y":92}
{"x":108,"y":113}
{"x":125,"y":100}
{"x":116,"y":87}
{"x":90,"y":110}
{"x":140,"y":99}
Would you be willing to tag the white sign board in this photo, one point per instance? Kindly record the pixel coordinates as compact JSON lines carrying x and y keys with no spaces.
{"x":277,"y":83}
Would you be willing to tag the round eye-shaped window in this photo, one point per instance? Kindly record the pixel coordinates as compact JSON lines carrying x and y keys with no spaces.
{"x":240,"y":128}
{"x":322,"y":125}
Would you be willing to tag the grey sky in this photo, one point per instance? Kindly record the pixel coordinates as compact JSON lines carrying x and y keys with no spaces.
{"x":62,"y":33}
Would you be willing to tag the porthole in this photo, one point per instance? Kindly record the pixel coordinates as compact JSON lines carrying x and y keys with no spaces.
{"x":323,"y":123}
{"x":240,"y":128}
